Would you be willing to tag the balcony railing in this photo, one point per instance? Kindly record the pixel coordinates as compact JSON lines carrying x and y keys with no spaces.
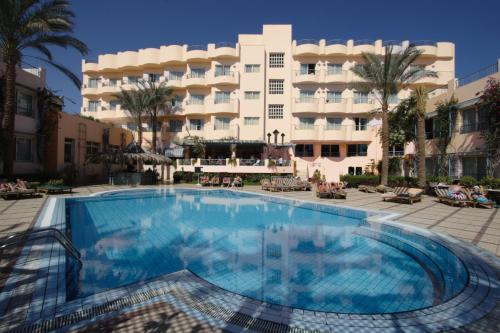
{"x":196,"y":47}
{"x":473,"y":127}
{"x":423,"y":43}
{"x":225,"y":44}
{"x":251,"y":162}
{"x":184,"y":162}
{"x":218,"y":161}
{"x":363,"y":42}
{"x":224,"y":73}
{"x":308,"y":41}
{"x":336,"y":42}
{"x":484,"y":72}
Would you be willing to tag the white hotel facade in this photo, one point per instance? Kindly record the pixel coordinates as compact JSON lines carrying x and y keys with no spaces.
{"x":264,"y":89}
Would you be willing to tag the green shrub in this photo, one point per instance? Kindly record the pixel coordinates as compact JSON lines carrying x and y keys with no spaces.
{"x":355,"y":181}
{"x":439,"y":179}
{"x":490,"y":182}
{"x":402,"y":181}
{"x":468,"y":181}
{"x":55,"y":182}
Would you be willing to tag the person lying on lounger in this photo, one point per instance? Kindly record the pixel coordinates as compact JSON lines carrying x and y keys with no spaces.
{"x":456,"y":192}
{"x":477,"y":195}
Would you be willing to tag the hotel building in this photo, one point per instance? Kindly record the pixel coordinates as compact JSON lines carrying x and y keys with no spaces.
{"x":264,"y":89}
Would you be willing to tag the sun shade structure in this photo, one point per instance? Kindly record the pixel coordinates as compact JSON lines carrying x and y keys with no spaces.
{"x":133,"y":153}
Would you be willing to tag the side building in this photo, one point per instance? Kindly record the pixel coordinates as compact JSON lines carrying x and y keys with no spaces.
{"x":266,"y":90}
{"x":465,"y":151}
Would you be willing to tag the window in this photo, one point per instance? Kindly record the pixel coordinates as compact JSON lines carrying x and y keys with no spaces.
{"x":393,"y":99}
{"x":251,"y":121}
{"x":177,"y":101}
{"x":197,"y":73}
{"x":275,"y":111}
{"x":252,"y":94}
{"x":306,"y":123}
{"x":361,"y":98}
{"x":397,"y":150}
{"x":69,"y":150}
{"x":24,"y":149}
{"x":306,"y":96}
{"x":222,"y":97}
{"x":333,"y":124}
{"x":474,"y":167}
{"x":330,"y":151}
{"x":276,"y":60}
{"x":222,"y":123}
{"x":306,"y":69}
{"x":357,"y":150}
{"x":175,"y":75}
{"x":196,"y":124}
{"x":153,"y":77}
{"x":333,"y":69}
{"x":252,"y":68}
{"x":276,"y":87}
{"x":113,"y":104}
{"x":94,"y":106}
{"x":429,"y":128}
{"x":132,"y":126}
{"x":196,"y":99}
{"x":360,"y":124}
{"x":113,"y":82}
{"x":358,"y":171}
{"x":133,"y":79}
{"x":175,"y":126}
{"x":473,"y":120}
{"x":94,"y":82}
{"x":334,"y":97}
{"x":222,"y":70}
{"x":304,"y":150}
{"x":149,"y":127}
{"x":24,"y":104}
{"x":92,"y":148}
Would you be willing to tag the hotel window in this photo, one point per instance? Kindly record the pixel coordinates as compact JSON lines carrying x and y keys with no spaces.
{"x":361,"y":98}
{"x":251,"y":121}
{"x":92,"y":148}
{"x":334,"y":97}
{"x":222,"y":123}
{"x":333,"y":69}
{"x":222,"y":97}
{"x":276,"y":87}
{"x":252,"y":68}
{"x":177,"y":101}
{"x":196,"y":124}
{"x":24,"y":149}
{"x":69,"y":150}
{"x":473,"y":120}
{"x":360,"y":124}
{"x":306,"y":96}
{"x":275,"y":111}
{"x":304,"y":150}
{"x":94,"y":82}
{"x":222,"y":70}
{"x":132,"y":126}
{"x":196,"y":99}
{"x":276,"y":60}
{"x":94,"y":106}
{"x":153,"y":77}
{"x":306,"y":69}
{"x":333,"y":124}
{"x":393,"y":99}
{"x":113,"y":104}
{"x":175,"y":126}
{"x":252,"y":94}
{"x":133,"y":79}
{"x":474,"y":167}
{"x":24,"y":104}
{"x":357,"y":150}
{"x":113,"y":82}
{"x":197,"y":73}
{"x":175,"y":75}
{"x":330,"y":151}
{"x":306,"y":123}
{"x":355,"y":171}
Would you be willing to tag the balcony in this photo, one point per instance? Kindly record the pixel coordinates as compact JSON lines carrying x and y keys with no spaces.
{"x":428,"y":48}
{"x":224,"y":50}
{"x":215,"y":132}
{"x":110,"y":88}
{"x":90,"y":91}
{"x":174,"y":82}
{"x":306,"y":77}
{"x":306,"y":47}
{"x":241,"y":166}
{"x":335,"y":105}
{"x":335,"y":76}
{"x":195,"y":80}
{"x":196,"y":53}
{"x":225,"y":78}
{"x":221,"y":106}
{"x":363,"y":46}
{"x":347,"y":133}
{"x":336,"y":47}
{"x":306,"y":133}
{"x":306,"y":105}
{"x":194,"y":107}
{"x":363,"y":105}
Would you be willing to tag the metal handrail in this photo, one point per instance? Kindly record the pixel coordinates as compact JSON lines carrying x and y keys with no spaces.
{"x":43,"y":233}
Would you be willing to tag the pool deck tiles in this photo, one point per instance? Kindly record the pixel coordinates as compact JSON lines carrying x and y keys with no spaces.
{"x":196,"y":301}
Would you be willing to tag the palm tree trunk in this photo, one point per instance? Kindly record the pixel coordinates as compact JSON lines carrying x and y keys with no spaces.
{"x":139,"y":131}
{"x":153,"y":127}
{"x":421,"y":149}
{"x":9,"y":119}
{"x":385,"y":146}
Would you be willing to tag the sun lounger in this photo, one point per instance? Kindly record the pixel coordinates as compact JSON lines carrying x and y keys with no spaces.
{"x":474,"y":203}
{"x":265,"y":184}
{"x":367,"y":188}
{"x":55,"y":189}
{"x":442,"y":195}
{"x":205,"y":181}
{"x":226,"y":181}
{"x":337,"y":191}
{"x":384,"y":189}
{"x":301,"y":185}
{"x":323,"y":190}
{"x":238,"y":182}
{"x":403,"y":194}
{"x":11,"y":191}
{"x":215,"y":181}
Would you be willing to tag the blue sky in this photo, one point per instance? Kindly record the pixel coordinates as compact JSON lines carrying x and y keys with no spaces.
{"x":108,"y":26}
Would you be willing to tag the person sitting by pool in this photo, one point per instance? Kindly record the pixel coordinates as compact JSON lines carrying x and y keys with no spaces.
{"x":456,"y":192}
{"x":477,"y":195}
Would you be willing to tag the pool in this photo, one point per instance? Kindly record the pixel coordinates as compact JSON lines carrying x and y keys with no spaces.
{"x":290,"y":253}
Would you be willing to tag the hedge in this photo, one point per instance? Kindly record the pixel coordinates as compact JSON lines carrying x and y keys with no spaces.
{"x":248,"y":178}
{"x":355,"y":181}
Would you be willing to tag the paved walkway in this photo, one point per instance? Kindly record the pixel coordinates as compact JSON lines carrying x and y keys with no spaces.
{"x":478,"y":226}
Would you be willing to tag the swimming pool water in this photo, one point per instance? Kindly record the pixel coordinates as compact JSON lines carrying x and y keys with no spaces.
{"x":279,"y":251}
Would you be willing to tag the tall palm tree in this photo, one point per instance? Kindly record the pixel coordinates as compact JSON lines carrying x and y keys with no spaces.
{"x":159,"y":100}
{"x":135,"y":102}
{"x":31,"y":25}
{"x":386,"y":76}
{"x":420,"y":93}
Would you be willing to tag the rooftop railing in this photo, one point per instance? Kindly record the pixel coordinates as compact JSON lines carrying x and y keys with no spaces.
{"x":225,"y":44}
{"x":308,"y":41}
{"x":483,"y":72}
{"x":423,"y":43}
{"x":363,"y":42}
{"x":336,"y":42}
{"x":196,"y":47}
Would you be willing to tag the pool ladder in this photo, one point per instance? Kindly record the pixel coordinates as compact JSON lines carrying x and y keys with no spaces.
{"x":42,"y":233}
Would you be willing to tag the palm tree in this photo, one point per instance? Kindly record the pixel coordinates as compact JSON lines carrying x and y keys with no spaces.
{"x":135,"y":102}
{"x":31,"y":25}
{"x":386,"y":76}
{"x":420,"y":93}
{"x":159,"y":99}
